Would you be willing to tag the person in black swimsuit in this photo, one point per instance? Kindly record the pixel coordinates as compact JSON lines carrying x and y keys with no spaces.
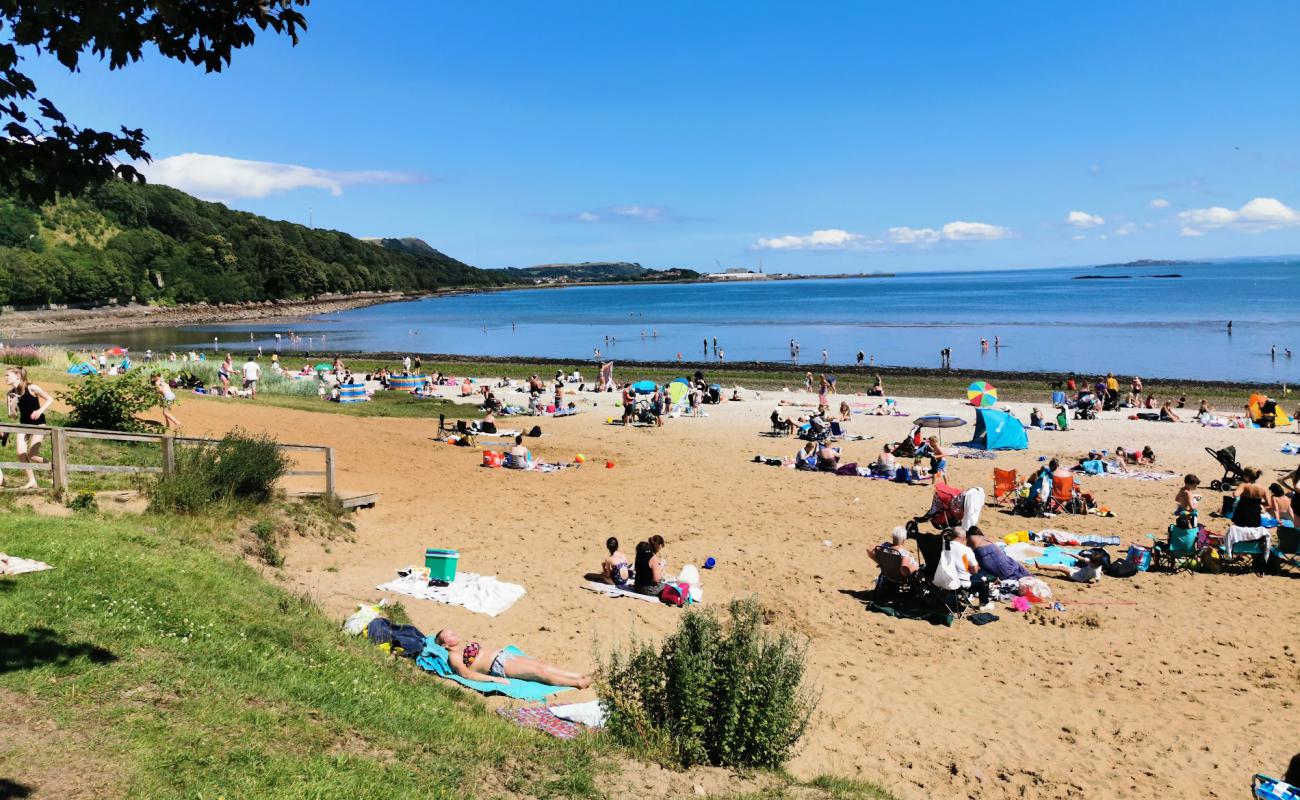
{"x":28,"y":402}
{"x":1251,"y":499}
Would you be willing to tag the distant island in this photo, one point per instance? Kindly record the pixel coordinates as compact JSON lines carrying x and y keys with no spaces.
{"x":1148,"y":262}
{"x":595,"y":272}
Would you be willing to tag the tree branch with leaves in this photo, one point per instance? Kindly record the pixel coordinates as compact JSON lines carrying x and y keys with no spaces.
{"x":44,"y":154}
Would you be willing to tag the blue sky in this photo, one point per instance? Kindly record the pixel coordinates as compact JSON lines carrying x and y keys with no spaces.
{"x":820,"y":137}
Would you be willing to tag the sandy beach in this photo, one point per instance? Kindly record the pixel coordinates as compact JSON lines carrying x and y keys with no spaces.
{"x":1142,"y":687}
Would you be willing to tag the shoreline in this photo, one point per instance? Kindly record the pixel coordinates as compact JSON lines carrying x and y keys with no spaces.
{"x":44,"y":322}
{"x":1015,"y":386}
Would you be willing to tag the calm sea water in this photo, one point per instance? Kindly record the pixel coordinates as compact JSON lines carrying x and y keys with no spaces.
{"x":1046,"y":320}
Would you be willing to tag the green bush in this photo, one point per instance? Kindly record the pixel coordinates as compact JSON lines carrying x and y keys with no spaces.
{"x":110,"y":404}
{"x":241,"y":466}
{"x":84,"y":502}
{"x":726,"y":695}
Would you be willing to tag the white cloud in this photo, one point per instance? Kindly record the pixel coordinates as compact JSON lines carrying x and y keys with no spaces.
{"x":221,"y":176}
{"x":1259,"y":215}
{"x":837,"y":239}
{"x":1079,"y":237}
{"x":1082,"y":219}
{"x":1190,"y":232}
{"x":587,"y":216}
{"x":905,"y":235}
{"x":1160,"y":202}
{"x":829,"y":239}
{"x":1126,"y":229}
{"x":974,"y":231}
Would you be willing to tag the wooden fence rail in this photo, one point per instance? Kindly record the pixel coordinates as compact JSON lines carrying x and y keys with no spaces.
{"x":59,"y":466}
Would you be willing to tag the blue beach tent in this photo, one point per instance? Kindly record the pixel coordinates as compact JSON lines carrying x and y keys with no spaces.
{"x":998,"y":430}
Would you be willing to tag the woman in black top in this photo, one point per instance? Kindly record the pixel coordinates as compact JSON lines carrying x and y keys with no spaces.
{"x":649,"y":577}
{"x":1251,"y":499}
{"x":28,"y":402}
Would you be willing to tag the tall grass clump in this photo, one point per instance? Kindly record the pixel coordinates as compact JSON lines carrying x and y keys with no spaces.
{"x":270,"y":383}
{"x":239,"y":467}
{"x":726,"y":694}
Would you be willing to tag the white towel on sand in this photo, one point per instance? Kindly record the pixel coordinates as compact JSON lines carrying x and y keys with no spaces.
{"x":482,"y":594}
{"x":614,"y":591}
{"x":589,"y":713}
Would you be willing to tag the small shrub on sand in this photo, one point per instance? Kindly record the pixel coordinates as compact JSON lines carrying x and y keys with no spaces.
{"x":266,"y":548}
{"x":725,"y":694}
{"x":241,"y":466}
{"x":110,"y":403}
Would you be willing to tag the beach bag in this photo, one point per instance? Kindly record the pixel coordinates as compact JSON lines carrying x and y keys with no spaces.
{"x":1123,"y":568}
{"x":1139,"y":557}
{"x":903,"y":475}
{"x":674,"y":594}
{"x":406,"y":640}
{"x":946,"y":576}
{"x":493,"y":459}
{"x":1229,"y":504}
{"x":848,"y":469}
{"x":535,"y":432}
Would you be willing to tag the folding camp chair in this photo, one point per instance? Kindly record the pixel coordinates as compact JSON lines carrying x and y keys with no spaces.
{"x":1005,"y":484}
{"x":1064,"y":493}
{"x":1178,"y":553}
{"x":1288,"y":546}
{"x":1245,"y":555}
{"x":892,"y":584}
{"x":837,"y":430}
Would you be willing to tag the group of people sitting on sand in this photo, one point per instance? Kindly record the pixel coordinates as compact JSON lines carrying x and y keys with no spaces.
{"x":646,"y":575}
{"x":962,"y":563}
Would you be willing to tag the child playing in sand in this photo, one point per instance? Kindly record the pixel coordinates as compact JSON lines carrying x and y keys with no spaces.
{"x":615,"y":568}
{"x":938,"y":461}
{"x":1187,"y":502}
{"x":1089,"y":568}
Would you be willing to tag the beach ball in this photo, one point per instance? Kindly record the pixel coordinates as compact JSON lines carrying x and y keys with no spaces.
{"x":580,"y":458}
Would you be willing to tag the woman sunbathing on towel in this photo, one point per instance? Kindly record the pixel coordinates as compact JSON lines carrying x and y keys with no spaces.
{"x":472,"y":661}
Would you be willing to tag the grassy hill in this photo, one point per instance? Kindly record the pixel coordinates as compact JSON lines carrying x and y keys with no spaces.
{"x":157,"y":244}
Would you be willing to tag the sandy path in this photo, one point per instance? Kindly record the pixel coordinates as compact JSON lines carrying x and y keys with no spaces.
{"x":1142,"y":687}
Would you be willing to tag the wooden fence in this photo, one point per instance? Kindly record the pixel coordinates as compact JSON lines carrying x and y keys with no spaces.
{"x":55,"y":452}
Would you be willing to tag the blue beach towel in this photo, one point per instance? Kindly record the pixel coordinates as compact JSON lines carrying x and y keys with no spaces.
{"x":1058,"y":555}
{"x":434,"y":659}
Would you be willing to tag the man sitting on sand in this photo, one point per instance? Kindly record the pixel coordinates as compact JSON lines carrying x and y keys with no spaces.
{"x":472,"y":661}
{"x":896,"y":562}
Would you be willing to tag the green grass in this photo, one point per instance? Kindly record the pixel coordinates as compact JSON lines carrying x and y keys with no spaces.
{"x":196,"y":678}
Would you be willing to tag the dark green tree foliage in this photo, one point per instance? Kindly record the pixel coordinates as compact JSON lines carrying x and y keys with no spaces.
{"x":157,"y":244}
{"x":43,"y":154}
{"x":722,"y":694}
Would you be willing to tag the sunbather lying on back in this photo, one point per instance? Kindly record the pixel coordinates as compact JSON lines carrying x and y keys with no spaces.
{"x":472,"y":661}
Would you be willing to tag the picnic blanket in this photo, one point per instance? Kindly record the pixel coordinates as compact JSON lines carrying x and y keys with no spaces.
{"x":1051,"y":554}
{"x":541,"y":719}
{"x":614,"y":591}
{"x":482,"y":594}
{"x":13,"y":565}
{"x":434,"y":659}
{"x":1137,"y":475}
{"x":1053,"y":536}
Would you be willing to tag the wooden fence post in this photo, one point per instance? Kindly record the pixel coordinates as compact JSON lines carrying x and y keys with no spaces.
{"x":329,"y":472}
{"x":169,"y":455}
{"x":58,"y":462}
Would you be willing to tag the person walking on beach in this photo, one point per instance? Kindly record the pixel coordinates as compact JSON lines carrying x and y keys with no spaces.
{"x":252,"y":374}
{"x":706,"y":345}
{"x":223,"y":375}
{"x":1229,"y":327}
{"x":167,"y":399}
{"x":861,"y":355}
{"x":825,"y":357}
{"x":28,"y":402}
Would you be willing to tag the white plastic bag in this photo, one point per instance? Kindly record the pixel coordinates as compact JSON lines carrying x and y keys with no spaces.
{"x":356,"y":624}
{"x":946,"y":575}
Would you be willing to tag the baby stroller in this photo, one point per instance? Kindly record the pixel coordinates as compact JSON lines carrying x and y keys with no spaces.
{"x":818,"y":430}
{"x":1233,"y":472}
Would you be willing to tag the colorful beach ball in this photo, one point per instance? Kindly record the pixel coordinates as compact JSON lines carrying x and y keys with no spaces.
{"x":982,"y":394}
